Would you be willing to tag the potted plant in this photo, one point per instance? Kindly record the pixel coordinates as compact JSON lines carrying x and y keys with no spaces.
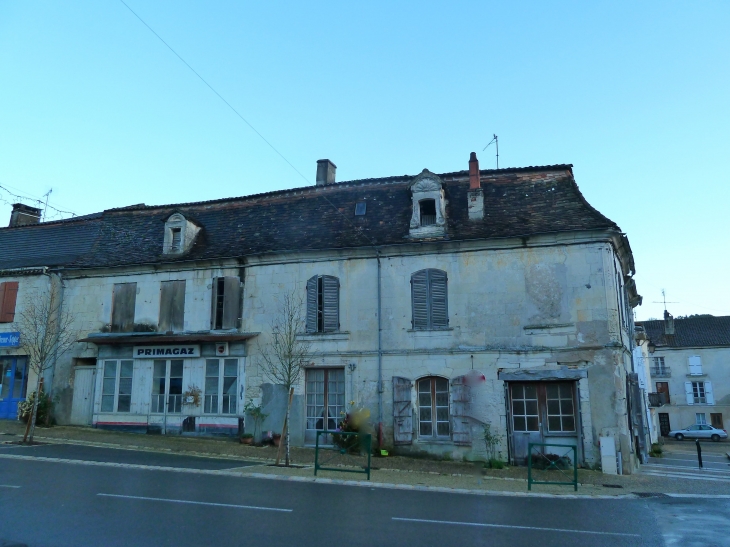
{"x":257,"y":415}
{"x":247,"y":438}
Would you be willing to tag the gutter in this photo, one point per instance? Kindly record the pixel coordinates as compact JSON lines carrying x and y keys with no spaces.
{"x":380,"y":357}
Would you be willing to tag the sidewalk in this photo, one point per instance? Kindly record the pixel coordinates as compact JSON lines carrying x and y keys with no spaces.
{"x":396,"y":471}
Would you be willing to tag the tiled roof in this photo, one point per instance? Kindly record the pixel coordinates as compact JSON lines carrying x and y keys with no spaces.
{"x":517,"y":203}
{"x":697,"y":331}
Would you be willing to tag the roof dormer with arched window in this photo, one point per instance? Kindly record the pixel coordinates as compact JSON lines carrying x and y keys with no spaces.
{"x":179,"y":235}
{"x":429,"y":206}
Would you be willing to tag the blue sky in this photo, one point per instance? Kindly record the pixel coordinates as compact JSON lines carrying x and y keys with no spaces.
{"x":635,"y":95}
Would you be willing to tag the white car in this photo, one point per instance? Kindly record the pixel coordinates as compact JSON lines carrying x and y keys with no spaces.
{"x":698,"y":431}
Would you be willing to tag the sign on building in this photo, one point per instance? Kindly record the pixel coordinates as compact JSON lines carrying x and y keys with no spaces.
{"x":166,"y":352}
{"x":9,"y":339}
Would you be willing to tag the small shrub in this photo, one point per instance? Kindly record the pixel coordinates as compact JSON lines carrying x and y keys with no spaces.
{"x":43,"y":415}
{"x":495,"y":464}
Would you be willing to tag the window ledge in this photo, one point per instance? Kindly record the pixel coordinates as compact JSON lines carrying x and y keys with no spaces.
{"x":697,"y":376}
{"x":323,"y":336}
{"x":445,"y":329}
{"x":434,"y":441}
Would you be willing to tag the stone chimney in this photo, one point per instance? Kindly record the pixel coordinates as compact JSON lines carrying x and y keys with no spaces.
{"x":476,"y":194}
{"x":668,"y":323}
{"x":23,"y":215}
{"x":325,"y":172}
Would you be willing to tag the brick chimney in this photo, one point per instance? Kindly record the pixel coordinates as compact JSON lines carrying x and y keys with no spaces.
{"x":668,"y":323}
{"x":23,"y":215}
{"x":475,"y":197}
{"x":325,"y":172}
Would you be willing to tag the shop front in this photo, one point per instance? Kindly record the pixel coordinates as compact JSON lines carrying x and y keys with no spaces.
{"x":13,"y":385}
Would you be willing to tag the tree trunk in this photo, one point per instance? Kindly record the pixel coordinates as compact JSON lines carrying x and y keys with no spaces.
{"x":288,"y":411}
{"x":34,"y":412}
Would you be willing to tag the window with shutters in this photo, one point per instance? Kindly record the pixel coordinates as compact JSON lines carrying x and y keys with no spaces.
{"x":698,"y":392}
{"x":172,"y":306}
{"x":116,"y":386}
{"x":226,"y":301}
{"x":323,"y":304}
{"x":124,"y":298}
{"x":433,"y":408}
{"x":8,"y":297}
{"x":429,"y":300}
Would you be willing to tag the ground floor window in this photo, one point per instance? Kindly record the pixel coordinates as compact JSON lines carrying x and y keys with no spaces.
{"x":116,"y":386}
{"x":13,"y":385}
{"x":560,"y":412}
{"x":325,"y":393}
{"x":167,"y":379}
{"x":433,"y":408}
{"x":524,"y":408}
{"x":700,"y":418}
{"x":221,"y":386}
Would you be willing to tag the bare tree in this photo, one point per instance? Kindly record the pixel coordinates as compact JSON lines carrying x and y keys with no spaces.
{"x":284,"y":356}
{"x":45,"y":333}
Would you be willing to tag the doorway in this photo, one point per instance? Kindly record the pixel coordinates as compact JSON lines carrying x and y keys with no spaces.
{"x":13,"y":385}
{"x":716,"y":420}
{"x":325,"y":393}
{"x":82,"y":406}
{"x":542,"y":412}
{"x":664,"y":427}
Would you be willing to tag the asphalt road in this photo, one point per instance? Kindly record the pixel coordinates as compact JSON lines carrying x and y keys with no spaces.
{"x":46,"y":503}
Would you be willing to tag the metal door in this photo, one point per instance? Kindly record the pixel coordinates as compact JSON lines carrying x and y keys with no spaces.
{"x":664,"y":428}
{"x":83,"y":399}
{"x":13,"y":385}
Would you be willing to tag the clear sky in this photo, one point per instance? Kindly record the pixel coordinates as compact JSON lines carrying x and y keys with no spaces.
{"x":635,"y":94}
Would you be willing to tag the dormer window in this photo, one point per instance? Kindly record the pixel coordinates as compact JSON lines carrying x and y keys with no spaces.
{"x":428,"y":212}
{"x":179,"y":234}
{"x":428,"y":218}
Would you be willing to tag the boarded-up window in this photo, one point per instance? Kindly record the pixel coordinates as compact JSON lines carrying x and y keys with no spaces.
{"x":226,"y":303}
{"x":429,"y":300}
{"x":124,"y":299}
{"x":172,"y":306}
{"x":402,"y":411}
{"x":460,"y":399}
{"x":323,"y":304}
{"x":8,"y":296}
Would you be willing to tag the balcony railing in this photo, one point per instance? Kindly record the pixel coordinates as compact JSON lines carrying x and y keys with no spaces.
{"x":660,"y":372}
{"x":657,"y":399}
{"x":174,"y":404}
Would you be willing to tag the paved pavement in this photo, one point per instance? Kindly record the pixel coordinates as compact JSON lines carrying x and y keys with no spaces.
{"x":54,"y":504}
{"x":680,"y":461}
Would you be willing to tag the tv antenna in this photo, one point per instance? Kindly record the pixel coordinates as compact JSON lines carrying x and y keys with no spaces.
{"x":664,"y":300}
{"x":46,"y":195}
{"x":494,"y":140}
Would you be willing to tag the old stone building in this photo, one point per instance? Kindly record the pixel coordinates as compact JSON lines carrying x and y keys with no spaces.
{"x":440,"y":302}
{"x":690,"y":377}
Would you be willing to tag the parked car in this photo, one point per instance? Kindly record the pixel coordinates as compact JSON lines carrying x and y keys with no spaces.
{"x":698,"y":431}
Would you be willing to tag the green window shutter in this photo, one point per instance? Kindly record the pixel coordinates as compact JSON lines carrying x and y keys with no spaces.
{"x":439,"y":301}
{"x":330,"y":303}
{"x":420,"y":300}
{"x":312,"y":304}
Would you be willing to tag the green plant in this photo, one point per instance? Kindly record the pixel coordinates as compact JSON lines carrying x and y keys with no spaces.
{"x":495,"y":464}
{"x":45,"y":405}
{"x":247,"y":436}
{"x":656,"y":450}
{"x":257,"y":415}
{"x":491,"y":441}
{"x":352,"y":422}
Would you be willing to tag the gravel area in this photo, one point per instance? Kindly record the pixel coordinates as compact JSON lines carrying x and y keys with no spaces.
{"x":392,"y":469}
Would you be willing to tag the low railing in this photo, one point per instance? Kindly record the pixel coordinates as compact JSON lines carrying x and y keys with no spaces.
{"x":174,"y":404}
{"x":428,"y":220}
{"x":349,"y":445}
{"x":657,"y":399}
{"x":548,"y":465}
{"x":660,"y":372}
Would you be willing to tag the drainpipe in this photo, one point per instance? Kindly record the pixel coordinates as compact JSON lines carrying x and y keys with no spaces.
{"x":380,"y":359}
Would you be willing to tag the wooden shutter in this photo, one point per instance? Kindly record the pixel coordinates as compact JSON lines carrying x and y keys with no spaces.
{"x":688,"y":393}
{"x":438,"y":294}
{"x":460,"y":425}
{"x":420,"y":300}
{"x":312,"y":304}
{"x":402,"y":411}
{"x":709,"y":396}
{"x":172,"y":306}
{"x":8,"y":298}
{"x":330,"y":303}
{"x":695,"y":365}
{"x":214,"y":305}
{"x":231,"y":302}
{"x":124,"y":299}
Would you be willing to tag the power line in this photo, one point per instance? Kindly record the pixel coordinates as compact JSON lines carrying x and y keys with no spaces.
{"x":214,"y":91}
{"x":17,"y":197}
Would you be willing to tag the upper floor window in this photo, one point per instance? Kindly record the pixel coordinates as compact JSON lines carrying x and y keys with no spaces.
{"x":226,"y":303}
{"x":323,"y":304}
{"x":179,"y":234}
{"x":8,"y":296}
{"x":699,"y":393}
{"x":124,"y":298}
{"x":172,"y":306}
{"x":428,"y":218}
{"x":429,"y":300}
{"x":695,"y":365}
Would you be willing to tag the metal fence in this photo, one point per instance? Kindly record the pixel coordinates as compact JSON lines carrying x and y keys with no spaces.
{"x":349,"y":448}
{"x":547,"y":465}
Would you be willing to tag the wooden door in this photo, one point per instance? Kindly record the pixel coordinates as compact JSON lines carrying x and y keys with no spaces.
{"x":716,"y":420}
{"x":82,"y":406}
{"x":664,"y":427}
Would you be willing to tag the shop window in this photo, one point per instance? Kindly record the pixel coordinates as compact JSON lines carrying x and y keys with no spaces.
{"x":167,"y":379}
{"x":433,"y":408}
{"x":221,"y":386}
{"x":116,"y":388}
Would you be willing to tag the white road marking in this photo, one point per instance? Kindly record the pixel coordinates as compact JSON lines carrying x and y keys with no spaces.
{"x":681,"y":468}
{"x":484,"y":525}
{"x":683,"y":476}
{"x":8,"y":486}
{"x":197,"y":503}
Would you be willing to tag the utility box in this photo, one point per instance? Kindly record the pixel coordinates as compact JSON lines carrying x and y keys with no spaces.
{"x":608,"y":455}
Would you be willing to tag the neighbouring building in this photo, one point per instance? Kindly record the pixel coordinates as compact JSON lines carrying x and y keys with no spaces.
{"x":690,"y":376}
{"x":440,"y":302}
